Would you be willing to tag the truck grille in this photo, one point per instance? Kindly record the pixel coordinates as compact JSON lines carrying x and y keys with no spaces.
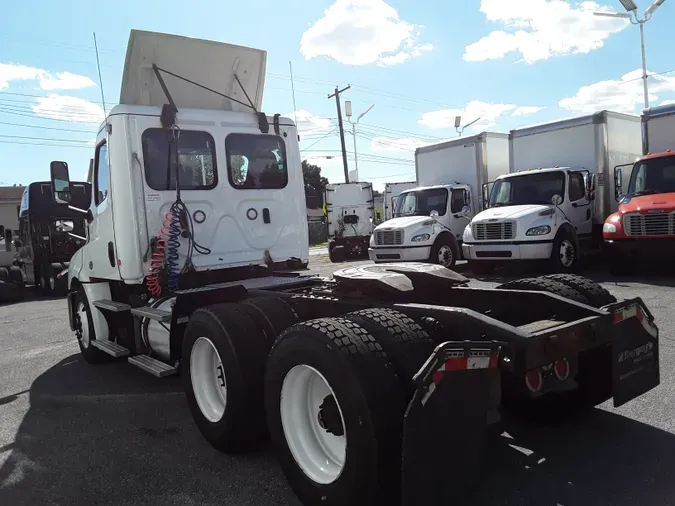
{"x":388,"y":237}
{"x":649,"y":224}
{"x":494,"y":231}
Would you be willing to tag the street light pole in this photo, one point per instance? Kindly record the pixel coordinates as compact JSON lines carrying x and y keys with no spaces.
{"x":348,"y":113}
{"x":631,"y":7}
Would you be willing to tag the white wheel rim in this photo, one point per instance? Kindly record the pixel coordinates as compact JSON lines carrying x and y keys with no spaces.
{"x":445,"y":256}
{"x":566,"y":253}
{"x":84,"y":325}
{"x":320,"y":454}
{"x":208,"y":379}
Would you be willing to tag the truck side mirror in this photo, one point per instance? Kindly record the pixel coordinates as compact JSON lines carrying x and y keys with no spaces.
{"x":60,"y":179}
{"x":486,"y":196}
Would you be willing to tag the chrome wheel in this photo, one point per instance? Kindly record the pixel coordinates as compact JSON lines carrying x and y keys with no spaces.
{"x":445,"y":256}
{"x":567,"y":253}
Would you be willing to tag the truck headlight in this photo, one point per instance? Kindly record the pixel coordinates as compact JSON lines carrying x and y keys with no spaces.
{"x":609,"y":228}
{"x":541,"y":230}
{"x":420,"y":238}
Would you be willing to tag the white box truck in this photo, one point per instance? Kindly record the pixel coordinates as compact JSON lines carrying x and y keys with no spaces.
{"x":553,"y":203}
{"x":391,"y":193}
{"x":428,"y":220}
{"x":349,"y":215}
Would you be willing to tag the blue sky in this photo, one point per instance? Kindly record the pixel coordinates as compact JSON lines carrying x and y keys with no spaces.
{"x":512,"y":63}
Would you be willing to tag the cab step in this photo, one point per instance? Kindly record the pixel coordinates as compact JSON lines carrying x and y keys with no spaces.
{"x":158,"y":315}
{"x":112,"y":306}
{"x":110,"y":347}
{"x":153,"y":366}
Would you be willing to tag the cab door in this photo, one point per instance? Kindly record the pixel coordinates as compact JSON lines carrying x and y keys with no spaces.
{"x":580,"y":210}
{"x":460,"y":210}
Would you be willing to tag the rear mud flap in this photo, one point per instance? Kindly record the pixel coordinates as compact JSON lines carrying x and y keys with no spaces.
{"x":446,"y":423}
{"x":635,"y":351}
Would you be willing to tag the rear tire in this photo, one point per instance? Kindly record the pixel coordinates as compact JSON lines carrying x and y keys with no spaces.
{"x":223,"y":360}
{"x":596,"y":295}
{"x":360,"y":416}
{"x":545,"y":285}
{"x":405,"y":342}
{"x":337,"y":254}
{"x":273,"y":315}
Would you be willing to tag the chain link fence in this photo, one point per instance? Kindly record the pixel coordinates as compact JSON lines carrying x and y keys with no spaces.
{"x":318,"y":232}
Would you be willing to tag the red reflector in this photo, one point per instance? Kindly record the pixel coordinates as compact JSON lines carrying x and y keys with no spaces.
{"x":534,"y":381}
{"x":562,"y":369}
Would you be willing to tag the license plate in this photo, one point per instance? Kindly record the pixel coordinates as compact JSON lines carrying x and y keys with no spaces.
{"x":635,"y":350}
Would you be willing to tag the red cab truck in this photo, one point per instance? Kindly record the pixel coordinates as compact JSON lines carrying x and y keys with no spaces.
{"x":644,"y":225}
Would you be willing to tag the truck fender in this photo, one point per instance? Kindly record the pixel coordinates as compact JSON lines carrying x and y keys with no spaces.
{"x":568,"y":229}
{"x":98,"y":291}
{"x":447,"y":233}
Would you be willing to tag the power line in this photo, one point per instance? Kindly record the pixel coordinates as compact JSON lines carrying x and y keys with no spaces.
{"x":315,"y":143}
{"x":92,"y":132}
{"x":43,"y":138}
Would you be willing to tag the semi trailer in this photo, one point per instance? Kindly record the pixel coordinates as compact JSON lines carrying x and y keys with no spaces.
{"x":553,"y":203}
{"x":349,"y":216}
{"x":429,"y":220}
{"x":361,"y":382}
{"x":644,"y":223}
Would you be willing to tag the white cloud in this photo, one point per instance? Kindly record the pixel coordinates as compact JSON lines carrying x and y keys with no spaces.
{"x":60,"y":81}
{"x":539,"y":29}
{"x":75,"y":109}
{"x":307,"y":122}
{"x":489,"y":114}
{"x":398,"y":144}
{"x":668,"y":102}
{"x":362,"y":32}
{"x":623,"y":95}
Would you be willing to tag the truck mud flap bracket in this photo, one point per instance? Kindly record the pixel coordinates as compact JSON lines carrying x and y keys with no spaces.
{"x":445,"y":426}
{"x":635,"y":351}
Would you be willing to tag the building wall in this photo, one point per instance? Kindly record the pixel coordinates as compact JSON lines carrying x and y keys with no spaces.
{"x":10,"y":198}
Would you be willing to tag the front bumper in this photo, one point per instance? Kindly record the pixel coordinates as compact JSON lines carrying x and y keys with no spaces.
{"x":630,"y":246}
{"x":508,"y":250}
{"x":399,"y":253}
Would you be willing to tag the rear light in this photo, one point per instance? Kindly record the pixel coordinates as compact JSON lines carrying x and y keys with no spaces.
{"x":534,"y":381}
{"x":562,"y":369}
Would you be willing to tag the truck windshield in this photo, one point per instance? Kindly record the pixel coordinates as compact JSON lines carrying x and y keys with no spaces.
{"x":656,"y":175}
{"x":528,"y":189}
{"x":422,"y":202}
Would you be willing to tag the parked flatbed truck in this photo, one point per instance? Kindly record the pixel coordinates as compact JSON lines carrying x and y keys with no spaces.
{"x":364,"y":383}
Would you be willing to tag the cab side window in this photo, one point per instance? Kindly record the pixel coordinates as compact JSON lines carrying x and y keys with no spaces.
{"x":457,"y":201}
{"x":577,"y":190}
{"x":101,"y":174}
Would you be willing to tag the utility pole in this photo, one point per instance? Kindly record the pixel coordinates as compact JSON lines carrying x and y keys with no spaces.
{"x":342,"y":132}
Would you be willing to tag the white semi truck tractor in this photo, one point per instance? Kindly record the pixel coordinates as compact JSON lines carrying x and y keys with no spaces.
{"x":349,"y":216}
{"x":428,"y":221}
{"x":553,"y":203}
{"x":360,"y":382}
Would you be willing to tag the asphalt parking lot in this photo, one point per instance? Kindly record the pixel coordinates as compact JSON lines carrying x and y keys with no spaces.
{"x":71,"y":433}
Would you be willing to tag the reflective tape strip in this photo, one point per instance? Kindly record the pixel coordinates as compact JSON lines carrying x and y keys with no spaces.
{"x":636,"y":311}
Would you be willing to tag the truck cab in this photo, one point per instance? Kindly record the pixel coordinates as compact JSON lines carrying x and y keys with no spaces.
{"x":49,"y":234}
{"x":427,"y":226}
{"x":644,"y":222}
{"x":538,"y":214}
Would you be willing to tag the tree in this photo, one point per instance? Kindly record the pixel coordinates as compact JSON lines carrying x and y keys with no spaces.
{"x":315,"y":184}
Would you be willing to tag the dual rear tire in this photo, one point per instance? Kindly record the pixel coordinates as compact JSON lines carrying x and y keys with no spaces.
{"x":330,"y":393}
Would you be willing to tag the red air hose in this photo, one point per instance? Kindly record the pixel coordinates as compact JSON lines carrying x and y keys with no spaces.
{"x":158,"y":255}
